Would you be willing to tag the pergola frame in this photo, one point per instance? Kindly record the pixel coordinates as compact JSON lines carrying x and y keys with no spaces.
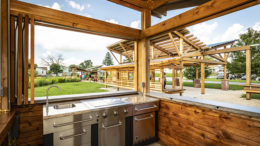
{"x":39,"y":15}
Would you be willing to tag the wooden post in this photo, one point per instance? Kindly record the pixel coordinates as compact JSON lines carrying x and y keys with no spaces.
{"x":181,"y":76}
{"x":32,"y":60}
{"x":117,"y":80}
{"x":121,"y":58}
{"x":12,"y":58}
{"x":197,"y":72}
{"x":225,"y":71}
{"x":181,"y":46}
{"x":202,"y":76}
{"x":153,"y":76}
{"x":248,"y":71}
{"x":105,"y":79}
{"x":20,"y":60}
{"x":173,"y":78}
{"x":136,"y":60}
{"x":162,"y":79}
{"x":26,"y":50}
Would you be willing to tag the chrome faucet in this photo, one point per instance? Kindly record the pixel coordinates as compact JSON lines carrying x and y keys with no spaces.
{"x":47,"y":98}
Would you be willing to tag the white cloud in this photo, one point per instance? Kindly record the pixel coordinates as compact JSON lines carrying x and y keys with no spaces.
{"x":71,"y":44}
{"x":135,"y":24}
{"x":204,"y":30}
{"x":55,"y":5}
{"x":233,"y":32}
{"x":256,"y":26}
{"x":112,"y":21}
{"x":77,"y":6}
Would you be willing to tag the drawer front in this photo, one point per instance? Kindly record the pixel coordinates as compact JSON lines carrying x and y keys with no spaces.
{"x":145,"y":108}
{"x":68,"y":122}
{"x":80,"y":136}
{"x":144,"y":127}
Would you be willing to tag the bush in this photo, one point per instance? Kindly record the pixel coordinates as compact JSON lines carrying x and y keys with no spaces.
{"x":43,"y":81}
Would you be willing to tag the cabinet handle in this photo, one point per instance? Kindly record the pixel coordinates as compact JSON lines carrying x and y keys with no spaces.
{"x":112,"y":126}
{"x":141,"y":119}
{"x":154,"y":106}
{"x":69,"y":123}
{"x":74,"y":135}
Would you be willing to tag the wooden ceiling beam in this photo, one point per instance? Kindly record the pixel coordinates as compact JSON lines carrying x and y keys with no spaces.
{"x":114,"y":56}
{"x":122,"y":45}
{"x":127,"y":4}
{"x":163,"y":50}
{"x":174,"y":44}
{"x":187,"y":40}
{"x":227,"y":50}
{"x":68,"y":21}
{"x":206,"y":11}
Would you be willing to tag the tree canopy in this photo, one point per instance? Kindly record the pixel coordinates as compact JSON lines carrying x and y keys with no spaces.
{"x":190,"y":72}
{"x":86,"y":64}
{"x":56,"y":68}
{"x":108,"y":60}
{"x":238,"y":59}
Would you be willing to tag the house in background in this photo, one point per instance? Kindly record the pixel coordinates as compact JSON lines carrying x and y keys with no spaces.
{"x":42,"y":71}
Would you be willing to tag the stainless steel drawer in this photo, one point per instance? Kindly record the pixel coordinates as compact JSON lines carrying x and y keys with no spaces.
{"x":145,"y":108}
{"x":68,"y":122}
{"x":80,"y":136}
{"x":144,"y":127}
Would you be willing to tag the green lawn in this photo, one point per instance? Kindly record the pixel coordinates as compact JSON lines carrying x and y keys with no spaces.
{"x":253,"y":96}
{"x":69,"y":88}
{"x":211,"y":85}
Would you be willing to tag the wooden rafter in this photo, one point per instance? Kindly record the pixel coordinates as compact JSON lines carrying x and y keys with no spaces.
{"x":163,"y":50}
{"x":226,"y":50}
{"x":187,"y":40}
{"x":206,"y":11}
{"x":202,"y":61}
{"x":68,"y":21}
{"x":114,"y":56}
{"x":123,"y":46}
{"x":174,"y":44}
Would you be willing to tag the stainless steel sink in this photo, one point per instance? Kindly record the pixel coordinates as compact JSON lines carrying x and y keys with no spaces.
{"x":64,"y":106}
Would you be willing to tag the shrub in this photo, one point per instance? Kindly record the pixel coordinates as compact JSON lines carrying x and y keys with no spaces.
{"x":43,"y":81}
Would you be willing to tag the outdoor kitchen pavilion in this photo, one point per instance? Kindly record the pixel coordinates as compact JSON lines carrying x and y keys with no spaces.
{"x":229,"y":127}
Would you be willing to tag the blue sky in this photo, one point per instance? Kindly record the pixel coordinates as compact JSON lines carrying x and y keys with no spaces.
{"x":76,"y":47}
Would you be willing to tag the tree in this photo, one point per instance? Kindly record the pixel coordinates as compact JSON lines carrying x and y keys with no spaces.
{"x":55,"y":68}
{"x":49,"y":60}
{"x":238,"y":62}
{"x":86,"y":64}
{"x":108,"y":60}
{"x":190,"y":72}
{"x":72,"y":65}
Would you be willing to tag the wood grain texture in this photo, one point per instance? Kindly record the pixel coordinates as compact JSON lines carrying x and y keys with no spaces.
{"x":6,"y":121}
{"x":20,"y":60}
{"x":30,"y":125}
{"x":32,"y":60}
{"x":184,"y":124}
{"x":12,"y":58}
{"x":25,"y":59}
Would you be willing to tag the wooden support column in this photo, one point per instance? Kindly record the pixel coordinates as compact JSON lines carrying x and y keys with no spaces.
{"x":25,"y":59}
{"x":105,"y":79}
{"x":162,"y":79}
{"x":143,"y":54}
{"x":153,"y":75}
{"x":202,"y":76}
{"x":181,"y":46}
{"x":248,"y":71}
{"x":20,"y":60}
{"x":117,"y":80}
{"x":121,"y":58}
{"x":197,"y":72}
{"x":225,"y":71}
{"x":181,"y":76}
{"x":136,"y":60}
{"x":32,"y":60}
{"x":12,"y":58}
{"x":173,"y":78}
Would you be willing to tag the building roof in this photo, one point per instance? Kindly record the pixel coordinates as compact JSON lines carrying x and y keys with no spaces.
{"x":222,"y":43}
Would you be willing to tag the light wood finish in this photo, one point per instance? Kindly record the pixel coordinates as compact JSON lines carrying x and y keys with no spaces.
{"x":186,"y":124}
{"x":173,"y":78}
{"x":26,"y":58}
{"x":114,"y":56}
{"x":136,"y":64}
{"x":74,"y":22}
{"x":248,"y":72}
{"x":128,"y":56}
{"x":162,"y":79}
{"x":32,"y":60}
{"x":206,"y":11}
{"x":202,"y":77}
{"x":20,"y":60}
{"x":181,"y":76}
{"x":145,"y":19}
{"x":6,"y":122}
{"x":197,"y":72}
{"x":226,"y":50}
{"x":174,"y":44}
{"x":186,"y":40}
{"x":225,"y":71}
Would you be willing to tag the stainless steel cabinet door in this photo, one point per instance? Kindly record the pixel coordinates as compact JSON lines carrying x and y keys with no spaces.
{"x":74,"y":137}
{"x":144,"y":127}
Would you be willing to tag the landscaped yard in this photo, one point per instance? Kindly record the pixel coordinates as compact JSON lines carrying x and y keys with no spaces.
{"x":69,"y":88}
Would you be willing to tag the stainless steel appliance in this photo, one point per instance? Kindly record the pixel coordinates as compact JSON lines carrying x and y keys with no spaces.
{"x":111,"y":126}
{"x":144,"y":122}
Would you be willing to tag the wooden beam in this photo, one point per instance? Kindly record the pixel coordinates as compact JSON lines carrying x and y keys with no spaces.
{"x":32,"y":60}
{"x":20,"y":60}
{"x":12,"y":58}
{"x":248,"y":71}
{"x":126,"y":4}
{"x":186,"y":40}
{"x":25,"y":59}
{"x":217,"y":57}
{"x":163,"y":50}
{"x":157,"y":3}
{"x":181,"y":76}
{"x":114,"y":56}
{"x":122,"y":45}
{"x":203,"y":61}
{"x":202,"y":77}
{"x":227,"y":50}
{"x":181,"y":46}
{"x":162,"y":79}
{"x":74,"y":22}
{"x":136,"y":64}
{"x":146,"y":19}
{"x":197,"y":72}
{"x":174,"y":44}
{"x":173,"y":78}
{"x":206,"y":11}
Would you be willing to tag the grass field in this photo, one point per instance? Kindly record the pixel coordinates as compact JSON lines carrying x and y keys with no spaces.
{"x":69,"y":88}
{"x":253,"y":96}
{"x":212,"y":85}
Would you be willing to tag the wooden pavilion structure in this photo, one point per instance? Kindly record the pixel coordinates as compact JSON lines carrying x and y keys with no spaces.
{"x":174,"y":50}
{"x":190,"y":124}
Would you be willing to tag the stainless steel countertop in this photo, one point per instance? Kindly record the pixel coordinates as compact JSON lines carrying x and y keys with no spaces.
{"x":81,"y":106}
